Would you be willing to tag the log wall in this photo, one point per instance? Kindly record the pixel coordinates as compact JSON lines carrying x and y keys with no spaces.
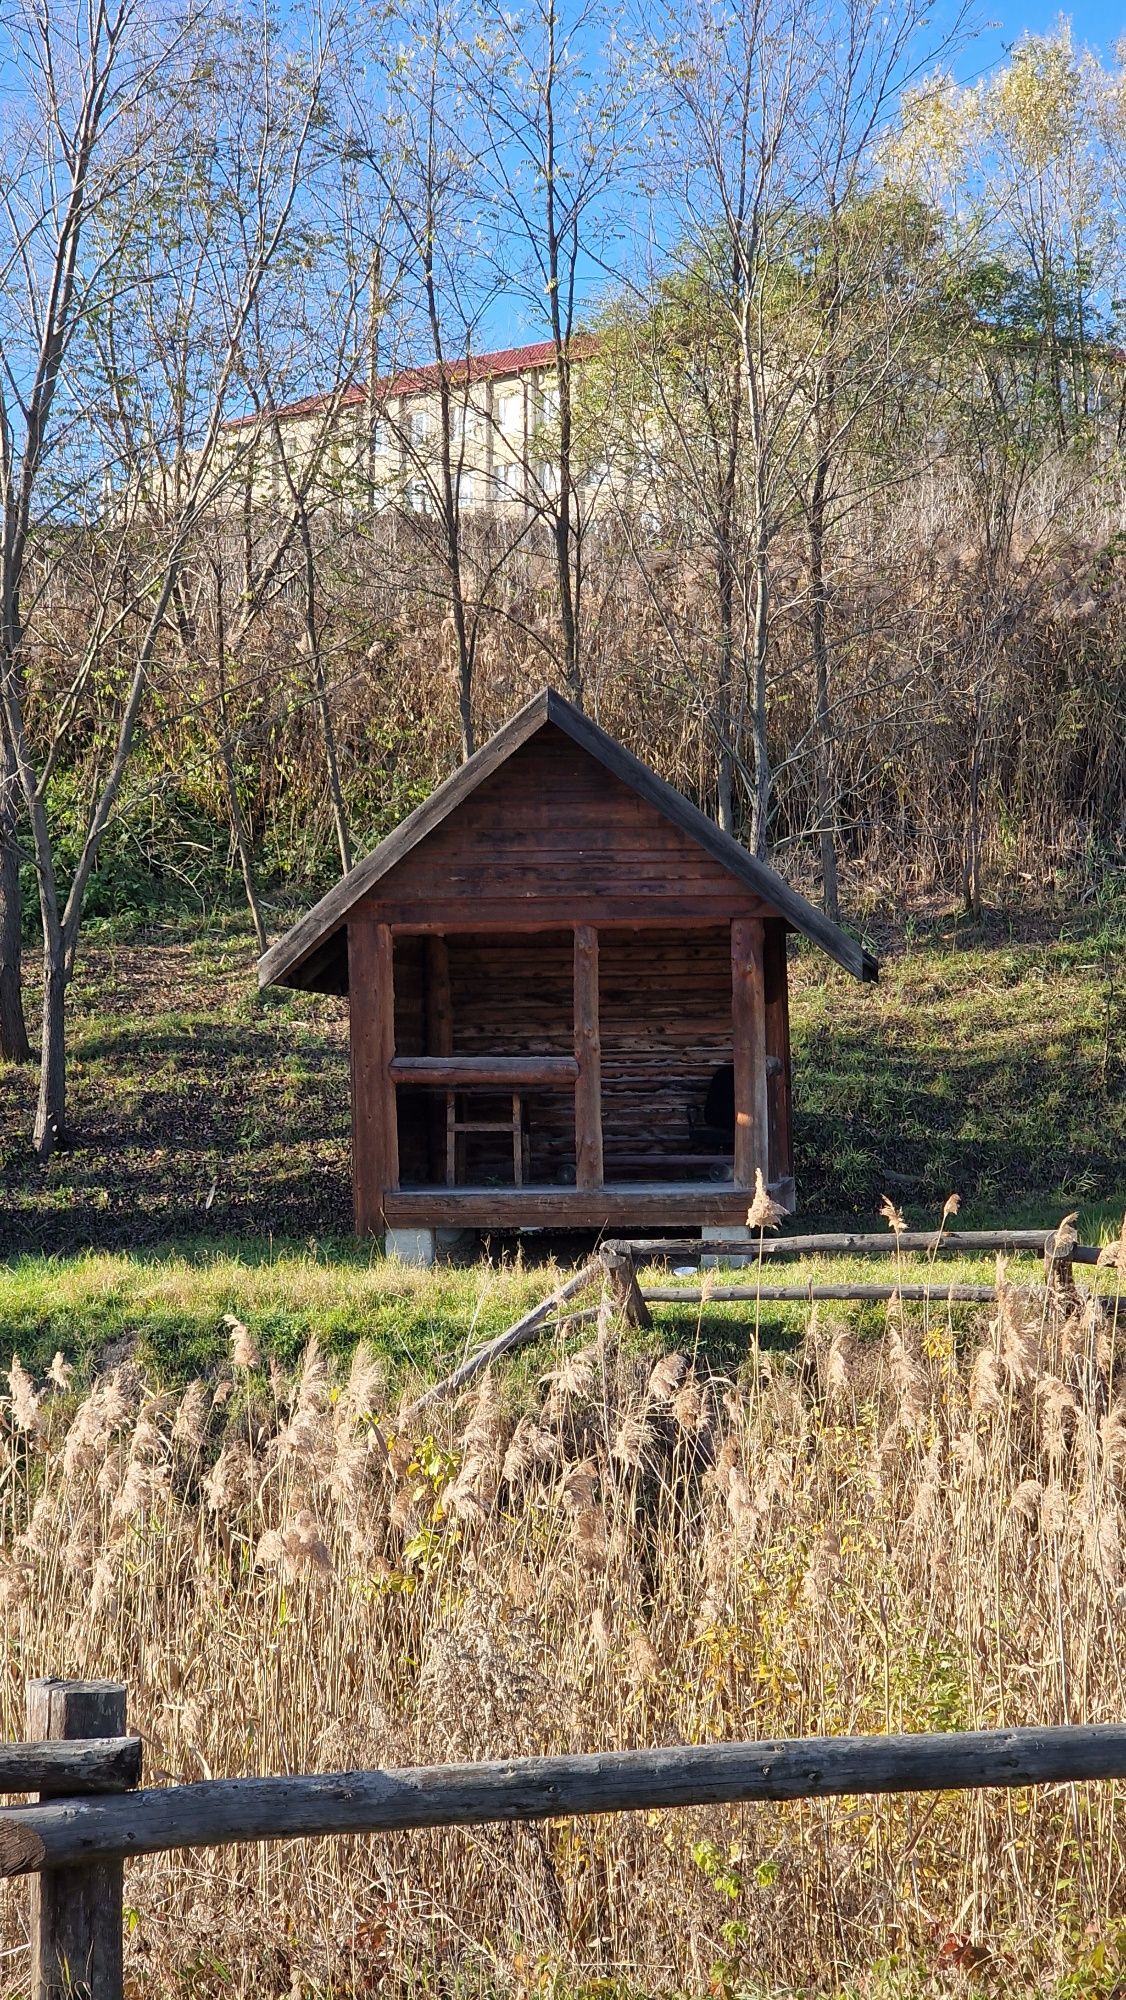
{"x":666,"y":1028}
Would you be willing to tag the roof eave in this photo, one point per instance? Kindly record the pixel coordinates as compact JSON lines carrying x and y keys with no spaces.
{"x":277,"y":966}
{"x":281,"y":964}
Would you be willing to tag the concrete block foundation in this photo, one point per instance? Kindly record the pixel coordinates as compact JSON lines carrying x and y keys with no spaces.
{"x":410,"y":1246}
{"x":730,"y":1232}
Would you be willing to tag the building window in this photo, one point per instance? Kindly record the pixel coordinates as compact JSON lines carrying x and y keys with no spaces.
{"x":547,"y":478}
{"x":467,"y":489}
{"x":549,"y":403}
{"x":510,"y":413}
{"x":465,"y":424}
{"x":421,"y":426}
{"x":507,"y":481}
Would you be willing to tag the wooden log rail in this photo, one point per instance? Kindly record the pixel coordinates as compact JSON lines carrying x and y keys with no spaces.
{"x":75,"y":1847}
{"x":963,"y":1295}
{"x":96,"y":1764}
{"x":620,"y":1260}
{"x":960,"y":1242}
{"x":74,"y":1833}
{"x":479,"y":1072}
{"x":522,"y":1330}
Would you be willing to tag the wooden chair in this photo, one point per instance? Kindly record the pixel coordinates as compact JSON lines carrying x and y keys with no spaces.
{"x":457,"y":1125}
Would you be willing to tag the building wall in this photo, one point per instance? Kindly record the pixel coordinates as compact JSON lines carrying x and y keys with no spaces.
{"x":502,"y":449}
{"x":553,"y":832}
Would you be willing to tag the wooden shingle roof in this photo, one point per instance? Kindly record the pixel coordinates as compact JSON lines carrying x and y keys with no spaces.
{"x":302,"y":948}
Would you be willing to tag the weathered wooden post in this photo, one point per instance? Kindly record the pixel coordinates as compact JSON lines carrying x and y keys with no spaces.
{"x":621,"y":1278}
{"x":76,"y":1913}
{"x":1059,"y":1254}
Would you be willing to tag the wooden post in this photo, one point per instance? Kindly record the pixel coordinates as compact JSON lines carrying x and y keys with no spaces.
{"x":748,"y":1020}
{"x":621,"y":1278}
{"x":1059,"y":1257}
{"x":439,"y":1042}
{"x":76,"y":1913}
{"x":375,"y":1127}
{"x":588,"y":1055}
{"x":779,"y":1083}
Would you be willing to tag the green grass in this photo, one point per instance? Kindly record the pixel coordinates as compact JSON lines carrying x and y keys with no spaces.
{"x":168,"y":1310}
{"x":987,"y":1061}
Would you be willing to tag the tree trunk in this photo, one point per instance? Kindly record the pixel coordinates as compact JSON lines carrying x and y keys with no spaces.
{"x":760,"y":804}
{"x":332,"y":766}
{"x":230,"y":775}
{"x":50,"y":1110}
{"x":14,"y":1044}
{"x":312,"y":650}
{"x":238,"y":830}
{"x":725,"y":776}
{"x":971,"y":874}
{"x":822,"y":711}
{"x":726,"y":582}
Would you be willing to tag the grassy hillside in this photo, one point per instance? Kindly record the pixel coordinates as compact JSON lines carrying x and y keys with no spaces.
{"x":989,"y":1059}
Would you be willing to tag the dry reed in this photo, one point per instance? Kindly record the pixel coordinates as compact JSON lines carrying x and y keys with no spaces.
{"x":887,"y":1537}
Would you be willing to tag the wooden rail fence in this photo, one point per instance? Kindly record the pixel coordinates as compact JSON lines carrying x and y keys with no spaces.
{"x":615,"y":1267}
{"x":620,"y":1260}
{"x":89,"y":1819}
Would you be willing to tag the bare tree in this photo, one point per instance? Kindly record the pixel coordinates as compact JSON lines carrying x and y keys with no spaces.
{"x":774,"y":116}
{"x":431,"y":192}
{"x":14,"y":1043}
{"x":159,"y":184}
{"x":556,"y":89}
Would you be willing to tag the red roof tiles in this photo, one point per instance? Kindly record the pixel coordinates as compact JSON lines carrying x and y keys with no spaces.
{"x":414,"y":381}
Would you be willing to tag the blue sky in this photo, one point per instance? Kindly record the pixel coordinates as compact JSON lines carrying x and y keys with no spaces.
{"x":1099,"y":24}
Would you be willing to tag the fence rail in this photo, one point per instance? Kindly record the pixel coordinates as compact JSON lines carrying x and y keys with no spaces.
{"x":616,"y":1268}
{"x":75,"y":1847}
{"x":882,"y":1243}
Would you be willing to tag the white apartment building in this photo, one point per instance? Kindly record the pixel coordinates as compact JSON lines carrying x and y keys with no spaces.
{"x":503,"y":453}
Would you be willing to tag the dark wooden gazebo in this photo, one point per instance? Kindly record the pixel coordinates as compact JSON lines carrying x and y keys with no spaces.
{"x":567,"y":997}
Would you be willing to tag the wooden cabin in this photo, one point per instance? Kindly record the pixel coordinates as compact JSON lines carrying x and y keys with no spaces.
{"x":567,"y":997}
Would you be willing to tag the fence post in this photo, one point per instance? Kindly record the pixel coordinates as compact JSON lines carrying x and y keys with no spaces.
{"x":620,"y":1273}
{"x":76,"y":1913}
{"x":1059,"y":1275}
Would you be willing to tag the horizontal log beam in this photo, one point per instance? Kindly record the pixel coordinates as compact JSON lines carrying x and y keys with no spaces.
{"x":653,"y":1204}
{"x":91,"y":1764}
{"x":694,"y":1295}
{"x":465,"y":1072}
{"x":71,"y":1832}
{"x":962,"y":1242}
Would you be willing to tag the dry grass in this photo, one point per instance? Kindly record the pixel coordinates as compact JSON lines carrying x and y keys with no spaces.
{"x":889,"y":1534}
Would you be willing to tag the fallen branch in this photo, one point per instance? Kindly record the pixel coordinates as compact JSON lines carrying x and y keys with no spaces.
{"x":517,"y":1335}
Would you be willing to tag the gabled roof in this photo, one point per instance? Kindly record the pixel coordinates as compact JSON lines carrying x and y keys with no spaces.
{"x":426,"y":375}
{"x":285,"y":958}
